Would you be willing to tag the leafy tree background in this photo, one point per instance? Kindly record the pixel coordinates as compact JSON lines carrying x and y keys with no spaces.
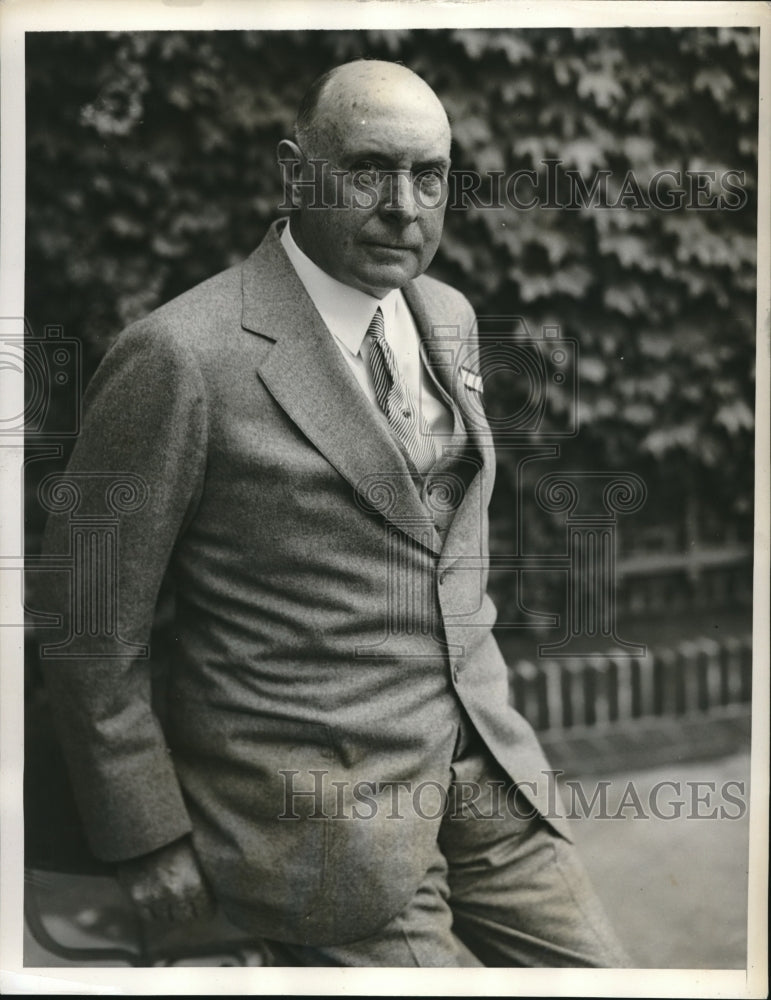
{"x":151,"y":165}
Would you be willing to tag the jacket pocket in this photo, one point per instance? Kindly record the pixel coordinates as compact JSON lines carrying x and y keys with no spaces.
{"x":290,"y":852}
{"x":258,"y":793}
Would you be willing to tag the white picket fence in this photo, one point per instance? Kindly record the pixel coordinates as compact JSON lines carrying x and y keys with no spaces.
{"x":597,"y":691}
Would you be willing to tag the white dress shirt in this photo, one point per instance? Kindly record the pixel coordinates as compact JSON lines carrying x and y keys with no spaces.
{"x":348,"y":312}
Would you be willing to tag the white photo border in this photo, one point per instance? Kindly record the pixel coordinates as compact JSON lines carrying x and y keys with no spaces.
{"x":20,"y":16}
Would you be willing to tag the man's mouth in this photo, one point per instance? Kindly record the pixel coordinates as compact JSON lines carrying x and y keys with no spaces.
{"x":382,"y":245}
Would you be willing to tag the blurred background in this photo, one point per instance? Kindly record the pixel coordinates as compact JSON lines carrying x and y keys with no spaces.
{"x":151,"y":165}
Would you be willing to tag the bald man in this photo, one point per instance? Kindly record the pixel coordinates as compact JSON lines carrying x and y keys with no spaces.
{"x":339,"y":767}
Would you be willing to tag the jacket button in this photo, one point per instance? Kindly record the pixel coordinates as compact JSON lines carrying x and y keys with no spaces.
{"x":443,"y":575}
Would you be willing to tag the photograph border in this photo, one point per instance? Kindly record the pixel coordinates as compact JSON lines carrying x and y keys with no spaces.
{"x":17,"y":18}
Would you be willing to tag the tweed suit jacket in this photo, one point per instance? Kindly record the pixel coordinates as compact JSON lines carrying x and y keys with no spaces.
{"x":286,"y":514}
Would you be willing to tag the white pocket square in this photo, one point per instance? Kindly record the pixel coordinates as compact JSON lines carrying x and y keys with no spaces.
{"x":471,"y":379}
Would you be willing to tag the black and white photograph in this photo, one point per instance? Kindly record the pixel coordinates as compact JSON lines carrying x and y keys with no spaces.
{"x":384,"y":450}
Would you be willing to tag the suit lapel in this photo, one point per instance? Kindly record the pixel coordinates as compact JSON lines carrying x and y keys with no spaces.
{"x":309,"y":378}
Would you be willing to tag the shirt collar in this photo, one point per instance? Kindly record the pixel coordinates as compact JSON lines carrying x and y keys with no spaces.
{"x":346,"y":311}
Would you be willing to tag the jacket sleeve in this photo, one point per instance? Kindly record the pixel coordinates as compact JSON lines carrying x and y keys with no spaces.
{"x":142,"y":452}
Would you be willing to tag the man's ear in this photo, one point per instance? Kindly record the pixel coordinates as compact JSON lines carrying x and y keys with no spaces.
{"x":290,"y":160}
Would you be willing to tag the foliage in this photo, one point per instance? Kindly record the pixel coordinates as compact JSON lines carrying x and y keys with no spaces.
{"x":151,"y":165}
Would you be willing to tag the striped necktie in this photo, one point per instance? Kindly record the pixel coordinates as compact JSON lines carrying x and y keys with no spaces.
{"x":395,"y":399}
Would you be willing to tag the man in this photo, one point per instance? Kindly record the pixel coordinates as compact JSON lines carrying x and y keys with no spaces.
{"x":338,"y":740}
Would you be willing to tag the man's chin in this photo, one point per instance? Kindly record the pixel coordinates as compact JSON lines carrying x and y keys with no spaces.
{"x":383,"y":278}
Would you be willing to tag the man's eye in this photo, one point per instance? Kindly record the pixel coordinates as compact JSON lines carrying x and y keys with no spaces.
{"x":366,"y":171}
{"x":430,"y":180}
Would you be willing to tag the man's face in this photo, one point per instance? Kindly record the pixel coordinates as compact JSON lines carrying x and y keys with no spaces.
{"x":385,"y":161}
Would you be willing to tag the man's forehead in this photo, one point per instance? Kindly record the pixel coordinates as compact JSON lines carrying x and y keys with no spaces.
{"x":365,"y":123}
{"x":394,"y":136}
{"x":374,"y":96}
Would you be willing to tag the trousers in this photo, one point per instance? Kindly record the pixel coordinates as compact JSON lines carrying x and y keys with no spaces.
{"x":503,"y":889}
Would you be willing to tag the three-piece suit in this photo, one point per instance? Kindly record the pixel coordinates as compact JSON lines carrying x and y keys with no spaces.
{"x":332,"y":623}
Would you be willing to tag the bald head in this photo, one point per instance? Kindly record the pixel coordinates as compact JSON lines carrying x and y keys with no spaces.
{"x":360,"y":92}
{"x":369,"y":165}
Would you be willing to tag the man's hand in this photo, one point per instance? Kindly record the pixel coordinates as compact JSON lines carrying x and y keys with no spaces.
{"x":168,"y":884}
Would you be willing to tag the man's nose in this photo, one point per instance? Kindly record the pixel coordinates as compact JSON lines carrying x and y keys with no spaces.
{"x":398,"y":197}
